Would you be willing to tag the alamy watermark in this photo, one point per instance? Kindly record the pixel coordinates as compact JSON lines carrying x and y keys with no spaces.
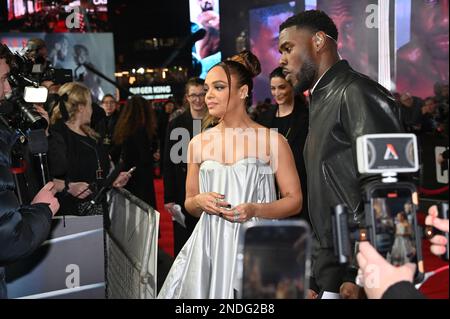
{"x":73,"y":20}
{"x":73,"y":279}
{"x":372,"y":17}
{"x":226,"y":146}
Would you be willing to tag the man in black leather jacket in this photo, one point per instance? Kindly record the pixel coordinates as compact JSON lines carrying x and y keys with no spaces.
{"x":344,"y":105}
{"x":22,"y":228}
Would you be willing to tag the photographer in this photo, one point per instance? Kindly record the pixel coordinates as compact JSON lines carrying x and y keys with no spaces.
{"x":396,"y":282}
{"x":22,"y":228}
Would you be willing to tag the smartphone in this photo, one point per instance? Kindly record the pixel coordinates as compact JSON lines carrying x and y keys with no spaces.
{"x":132,"y":170}
{"x":395,"y":232}
{"x":274,"y":260}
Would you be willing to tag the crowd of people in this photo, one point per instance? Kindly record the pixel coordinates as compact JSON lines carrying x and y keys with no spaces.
{"x":223,"y":164}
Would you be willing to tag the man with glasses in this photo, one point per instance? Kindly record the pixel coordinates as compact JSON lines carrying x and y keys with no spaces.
{"x":344,"y":105}
{"x":106,"y":125}
{"x":180,"y":131}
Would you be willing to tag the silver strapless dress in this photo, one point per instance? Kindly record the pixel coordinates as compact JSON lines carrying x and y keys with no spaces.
{"x":205,"y":267}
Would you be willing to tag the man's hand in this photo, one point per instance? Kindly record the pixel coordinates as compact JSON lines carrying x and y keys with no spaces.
{"x":439,"y":242}
{"x":311,"y":294}
{"x":377,"y":274}
{"x":349,"y":290}
{"x":47,"y":196}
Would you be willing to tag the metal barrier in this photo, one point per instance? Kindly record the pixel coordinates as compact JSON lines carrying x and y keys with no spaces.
{"x":131,"y":247}
{"x":69,"y":265}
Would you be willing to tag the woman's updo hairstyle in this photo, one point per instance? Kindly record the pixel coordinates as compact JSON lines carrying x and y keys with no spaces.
{"x":245,"y":66}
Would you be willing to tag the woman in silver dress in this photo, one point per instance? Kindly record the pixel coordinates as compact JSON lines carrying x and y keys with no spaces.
{"x":232,"y":169}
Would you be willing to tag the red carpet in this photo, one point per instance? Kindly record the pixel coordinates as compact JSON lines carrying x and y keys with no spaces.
{"x":165,"y":222}
{"x":436,"y":287}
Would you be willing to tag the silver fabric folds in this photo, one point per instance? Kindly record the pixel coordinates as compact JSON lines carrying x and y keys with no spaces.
{"x":205,"y":267}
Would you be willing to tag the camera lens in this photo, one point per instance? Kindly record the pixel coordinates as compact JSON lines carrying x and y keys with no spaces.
{"x":34,"y":119}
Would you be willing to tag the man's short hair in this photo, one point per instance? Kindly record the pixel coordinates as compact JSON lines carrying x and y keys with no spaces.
{"x":6,"y":54}
{"x":195,"y":81}
{"x":314,"y":20}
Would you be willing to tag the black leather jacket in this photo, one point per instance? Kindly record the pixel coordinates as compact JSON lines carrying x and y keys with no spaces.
{"x":22,"y":228}
{"x":345,"y":105}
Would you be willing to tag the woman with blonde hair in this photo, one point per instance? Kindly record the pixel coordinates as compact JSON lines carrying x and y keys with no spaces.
{"x":85,"y":164}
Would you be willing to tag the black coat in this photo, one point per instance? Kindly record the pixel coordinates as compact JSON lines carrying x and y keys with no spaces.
{"x":296,"y":140}
{"x":344,"y":105}
{"x":105,"y":127}
{"x":175,"y":173}
{"x":402,"y":290}
{"x":137,"y":151}
{"x":22,"y":228}
{"x":79,"y":162}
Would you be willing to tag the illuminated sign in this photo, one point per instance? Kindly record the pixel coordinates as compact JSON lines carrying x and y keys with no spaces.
{"x":155,"y":92}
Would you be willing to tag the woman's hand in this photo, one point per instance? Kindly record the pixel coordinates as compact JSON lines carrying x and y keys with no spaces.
{"x":122,"y":180}
{"x":242,"y":213}
{"x":79,"y":190}
{"x":213,"y":203}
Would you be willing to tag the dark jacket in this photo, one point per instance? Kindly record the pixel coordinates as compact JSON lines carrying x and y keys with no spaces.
{"x":402,"y":290}
{"x":137,"y":151}
{"x":296,"y":140}
{"x":105,"y":127}
{"x":22,"y":228}
{"x":175,"y":173}
{"x":82,"y":159}
{"x":344,"y":105}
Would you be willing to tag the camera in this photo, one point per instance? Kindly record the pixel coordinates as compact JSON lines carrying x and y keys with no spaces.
{"x":389,"y":222}
{"x":25,"y":78}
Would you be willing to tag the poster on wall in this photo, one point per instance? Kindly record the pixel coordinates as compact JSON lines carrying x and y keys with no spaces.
{"x":358,"y":39}
{"x":73,"y":51}
{"x":422,"y":35}
{"x":357,"y":42}
{"x":264,"y":31}
{"x":205,"y":27}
